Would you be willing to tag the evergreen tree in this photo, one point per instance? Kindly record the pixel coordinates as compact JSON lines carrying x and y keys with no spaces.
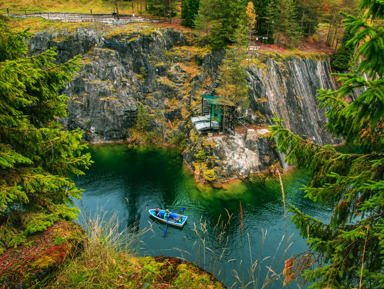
{"x":217,"y":21}
{"x":348,"y":249}
{"x":189,"y":10}
{"x":308,"y":16}
{"x":265,"y":17}
{"x":226,"y":18}
{"x":161,"y":8}
{"x":36,"y":155}
{"x":287,"y":24}
{"x":142,"y":122}
{"x":269,"y":20}
{"x":342,"y":59}
{"x":203,"y":20}
{"x":234,"y":85}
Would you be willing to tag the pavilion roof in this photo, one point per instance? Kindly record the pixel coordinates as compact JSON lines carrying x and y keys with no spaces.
{"x":217,"y":100}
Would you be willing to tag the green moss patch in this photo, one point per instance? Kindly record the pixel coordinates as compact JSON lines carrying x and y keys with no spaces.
{"x":169,"y":272}
{"x":292,"y":54}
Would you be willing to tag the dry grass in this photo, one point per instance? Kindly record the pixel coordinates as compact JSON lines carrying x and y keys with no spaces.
{"x":75,"y":6}
{"x":212,"y":254}
{"x":40,"y":24}
{"x":109,"y":261}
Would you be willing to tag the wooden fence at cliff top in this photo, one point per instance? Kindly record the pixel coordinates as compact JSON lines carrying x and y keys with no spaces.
{"x":109,"y":18}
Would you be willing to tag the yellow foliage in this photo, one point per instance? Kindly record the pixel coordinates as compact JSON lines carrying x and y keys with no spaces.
{"x":251,"y":14}
{"x":210,"y":175}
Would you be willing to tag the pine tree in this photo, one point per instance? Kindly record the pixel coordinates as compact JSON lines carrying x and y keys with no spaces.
{"x":189,"y":11}
{"x":348,"y":249}
{"x":142,"y":122}
{"x":308,"y":15}
{"x":217,"y":21}
{"x":36,"y":156}
{"x":203,"y":20}
{"x":287,"y":24}
{"x":265,"y":17}
{"x":161,"y":8}
{"x":227,"y":16}
{"x":234,"y":85}
{"x":342,"y":59}
{"x":269,"y":20}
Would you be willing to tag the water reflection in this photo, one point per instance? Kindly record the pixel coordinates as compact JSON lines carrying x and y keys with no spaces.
{"x":132,"y":181}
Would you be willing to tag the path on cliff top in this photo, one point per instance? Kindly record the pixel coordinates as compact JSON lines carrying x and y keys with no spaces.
{"x":307,"y":45}
{"x":83,"y":17}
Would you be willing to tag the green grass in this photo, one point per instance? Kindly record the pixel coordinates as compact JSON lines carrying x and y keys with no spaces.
{"x":39,"y":24}
{"x":294,"y":53}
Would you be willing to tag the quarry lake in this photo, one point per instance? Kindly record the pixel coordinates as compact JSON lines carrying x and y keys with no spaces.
{"x":132,"y":180}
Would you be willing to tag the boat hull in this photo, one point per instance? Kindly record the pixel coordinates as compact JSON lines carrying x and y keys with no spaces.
{"x":174,"y":219}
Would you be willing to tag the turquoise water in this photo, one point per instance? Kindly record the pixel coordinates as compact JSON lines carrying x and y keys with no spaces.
{"x":131,"y":181}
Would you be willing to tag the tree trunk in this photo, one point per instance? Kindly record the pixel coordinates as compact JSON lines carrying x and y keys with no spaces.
{"x":224,"y":122}
{"x":337,"y":39}
{"x":329,"y":30}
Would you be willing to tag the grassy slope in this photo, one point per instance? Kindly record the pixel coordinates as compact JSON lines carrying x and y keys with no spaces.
{"x":75,"y":6}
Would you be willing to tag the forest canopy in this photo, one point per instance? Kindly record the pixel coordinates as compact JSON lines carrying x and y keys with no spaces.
{"x":282,"y":22}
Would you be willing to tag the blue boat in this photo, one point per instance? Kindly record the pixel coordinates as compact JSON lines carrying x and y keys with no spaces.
{"x":174,"y":219}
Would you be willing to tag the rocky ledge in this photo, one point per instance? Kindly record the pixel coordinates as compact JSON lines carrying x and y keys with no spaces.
{"x":221,"y":158}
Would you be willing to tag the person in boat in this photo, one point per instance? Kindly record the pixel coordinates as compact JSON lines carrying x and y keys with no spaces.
{"x":177,"y":219}
{"x":166,"y":214}
{"x":157,"y":212}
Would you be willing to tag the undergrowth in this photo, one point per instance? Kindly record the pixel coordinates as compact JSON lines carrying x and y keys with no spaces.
{"x":110,"y":261}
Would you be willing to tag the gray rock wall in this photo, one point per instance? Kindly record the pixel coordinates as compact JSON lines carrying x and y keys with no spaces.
{"x":120,"y":72}
{"x":289,"y":90}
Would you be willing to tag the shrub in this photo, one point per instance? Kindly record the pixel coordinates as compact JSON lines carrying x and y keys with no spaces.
{"x":210,"y":175}
{"x":201,"y":157}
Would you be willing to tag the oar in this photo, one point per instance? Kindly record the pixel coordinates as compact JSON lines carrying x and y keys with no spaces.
{"x":166,"y":224}
{"x":179,"y":210}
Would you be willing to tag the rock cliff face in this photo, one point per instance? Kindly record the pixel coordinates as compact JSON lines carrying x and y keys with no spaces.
{"x":289,"y":90}
{"x":285,"y":88}
{"x":162,"y":71}
{"x":117,"y":74}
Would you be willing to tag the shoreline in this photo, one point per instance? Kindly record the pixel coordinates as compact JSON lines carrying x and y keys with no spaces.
{"x":197,"y":177}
